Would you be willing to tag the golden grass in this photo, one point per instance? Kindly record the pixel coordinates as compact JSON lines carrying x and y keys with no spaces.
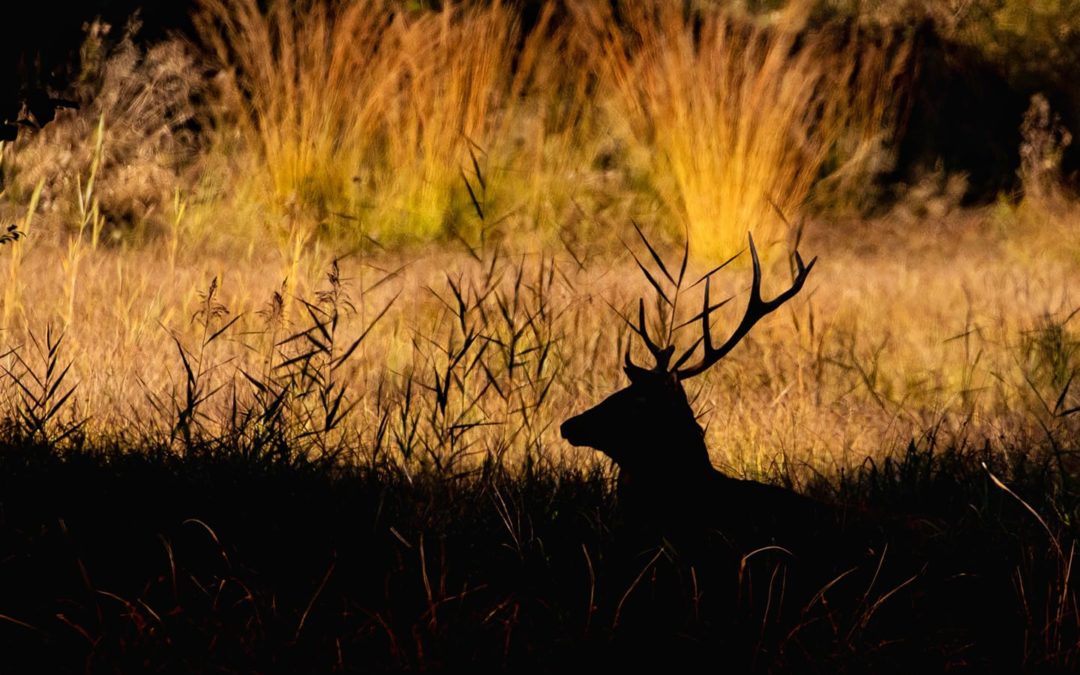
{"x":961,"y":332}
{"x":342,"y":121}
{"x":368,"y":118}
{"x":734,"y":119}
{"x":373,"y":117}
{"x":332,"y":124}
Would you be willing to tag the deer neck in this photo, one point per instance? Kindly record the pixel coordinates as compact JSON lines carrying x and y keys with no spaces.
{"x":679,"y":459}
{"x":692,"y":463}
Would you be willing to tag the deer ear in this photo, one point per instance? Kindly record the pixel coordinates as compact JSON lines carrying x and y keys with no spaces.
{"x":672,"y":377}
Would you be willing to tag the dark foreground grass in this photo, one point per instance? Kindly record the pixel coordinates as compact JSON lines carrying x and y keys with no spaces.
{"x":118,"y":561}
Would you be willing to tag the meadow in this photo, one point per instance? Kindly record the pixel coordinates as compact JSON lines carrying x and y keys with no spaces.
{"x":293,"y":310}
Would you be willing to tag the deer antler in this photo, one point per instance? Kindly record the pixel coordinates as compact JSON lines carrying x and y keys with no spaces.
{"x":662,"y":355}
{"x":756,"y":309}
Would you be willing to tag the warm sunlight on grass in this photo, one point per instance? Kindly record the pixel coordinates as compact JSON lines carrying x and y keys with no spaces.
{"x":430,"y":118}
{"x":734,"y":120}
{"x":374,"y":120}
{"x":333,"y":132}
{"x":963,"y":335}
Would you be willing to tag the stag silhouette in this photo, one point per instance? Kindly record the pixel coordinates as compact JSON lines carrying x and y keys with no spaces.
{"x":789,"y":549}
{"x":650,"y":431}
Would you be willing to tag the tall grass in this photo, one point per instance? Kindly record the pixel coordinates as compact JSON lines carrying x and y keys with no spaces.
{"x":111,"y":168}
{"x":372,"y":116}
{"x":851,"y":365}
{"x":490,"y":356}
{"x":732,"y":119}
{"x":302,"y":86}
{"x":369,"y":117}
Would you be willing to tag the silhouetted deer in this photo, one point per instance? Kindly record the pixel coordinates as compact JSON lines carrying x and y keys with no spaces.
{"x":650,"y":431}
{"x":786,"y":551}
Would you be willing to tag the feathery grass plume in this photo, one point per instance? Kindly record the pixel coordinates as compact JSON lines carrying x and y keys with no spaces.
{"x":367,"y":114}
{"x":456,"y":74}
{"x":302,"y":83}
{"x":730,"y":116}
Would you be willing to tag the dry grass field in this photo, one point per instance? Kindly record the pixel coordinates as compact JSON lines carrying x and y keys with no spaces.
{"x":957,"y":328}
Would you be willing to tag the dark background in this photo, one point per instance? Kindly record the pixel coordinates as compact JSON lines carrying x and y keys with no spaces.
{"x":40,"y":45}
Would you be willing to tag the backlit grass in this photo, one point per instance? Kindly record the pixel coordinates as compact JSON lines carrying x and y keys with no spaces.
{"x":965,"y":332}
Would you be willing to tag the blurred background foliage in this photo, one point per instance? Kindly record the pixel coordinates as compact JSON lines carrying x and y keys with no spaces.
{"x":369,"y":119}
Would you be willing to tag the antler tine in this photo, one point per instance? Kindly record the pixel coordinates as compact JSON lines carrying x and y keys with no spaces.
{"x":706,"y":328}
{"x":756,"y":309}
{"x":662,"y":355}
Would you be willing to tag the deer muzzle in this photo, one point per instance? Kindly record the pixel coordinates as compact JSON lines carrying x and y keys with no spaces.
{"x":575,"y":431}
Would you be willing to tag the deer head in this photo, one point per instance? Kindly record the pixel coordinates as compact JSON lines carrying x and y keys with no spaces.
{"x":649,"y":428}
